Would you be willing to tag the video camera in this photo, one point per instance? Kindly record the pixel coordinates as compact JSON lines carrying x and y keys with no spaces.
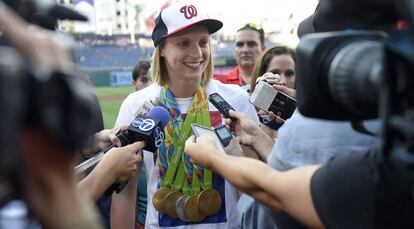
{"x":359,"y":74}
{"x":59,"y":102}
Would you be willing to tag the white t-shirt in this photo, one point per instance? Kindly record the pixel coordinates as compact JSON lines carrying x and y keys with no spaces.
{"x":227,"y":217}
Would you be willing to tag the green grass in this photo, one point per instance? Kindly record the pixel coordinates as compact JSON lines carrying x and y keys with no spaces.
{"x":108,"y":91}
{"x":110,"y":108}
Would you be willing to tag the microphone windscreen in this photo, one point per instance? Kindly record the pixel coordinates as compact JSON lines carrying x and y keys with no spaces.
{"x":160,"y":113}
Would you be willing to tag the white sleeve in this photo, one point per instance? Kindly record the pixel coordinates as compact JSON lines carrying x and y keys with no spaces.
{"x":125,"y":115}
{"x":248,"y":108}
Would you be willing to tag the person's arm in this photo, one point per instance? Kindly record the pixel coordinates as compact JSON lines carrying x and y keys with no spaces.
{"x":124,"y":205}
{"x":285,"y":191}
{"x":250,"y":134}
{"x":117,"y":165}
{"x":103,"y":139}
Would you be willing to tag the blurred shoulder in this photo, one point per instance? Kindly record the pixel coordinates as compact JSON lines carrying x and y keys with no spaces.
{"x":133,"y":102}
{"x":227,"y":90}
{"x":138,"y":97}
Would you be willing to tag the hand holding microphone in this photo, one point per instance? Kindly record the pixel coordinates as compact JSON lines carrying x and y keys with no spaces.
{"x":122,"y":161}
{"x":118,"y":165}
{"x":148,"y":129}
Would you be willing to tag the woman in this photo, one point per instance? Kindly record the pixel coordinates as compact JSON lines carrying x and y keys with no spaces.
{"x":275,"y":66}
{"x":182,"y":69}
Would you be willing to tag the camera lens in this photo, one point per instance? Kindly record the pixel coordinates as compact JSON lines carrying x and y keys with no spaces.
{"x":354,"y":75}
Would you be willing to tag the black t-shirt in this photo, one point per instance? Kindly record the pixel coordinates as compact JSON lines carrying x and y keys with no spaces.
{"x":363,"y":191}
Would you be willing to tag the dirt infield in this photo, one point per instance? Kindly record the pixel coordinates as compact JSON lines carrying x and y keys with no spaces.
{"x":112,"y":97}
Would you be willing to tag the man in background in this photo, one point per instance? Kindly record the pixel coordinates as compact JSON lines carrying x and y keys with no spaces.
{"x":249,"y":44}
{"x":141,"y":77}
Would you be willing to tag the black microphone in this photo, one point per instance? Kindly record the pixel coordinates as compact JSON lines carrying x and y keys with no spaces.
{"x":148,"y":129}
{"x":87,"y":166}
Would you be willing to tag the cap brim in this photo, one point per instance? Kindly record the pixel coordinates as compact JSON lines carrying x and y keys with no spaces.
{"x":212,"y":25}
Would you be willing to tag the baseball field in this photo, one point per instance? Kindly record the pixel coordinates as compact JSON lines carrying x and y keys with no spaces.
{"x":110,"y":99}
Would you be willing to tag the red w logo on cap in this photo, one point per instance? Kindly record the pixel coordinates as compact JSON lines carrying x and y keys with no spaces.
{"x":189,"y":11}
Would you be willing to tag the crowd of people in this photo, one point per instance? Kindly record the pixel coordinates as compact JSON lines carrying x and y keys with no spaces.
{"x":298,"y":172}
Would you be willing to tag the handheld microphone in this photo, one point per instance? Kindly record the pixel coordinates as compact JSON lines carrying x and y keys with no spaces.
{"x":160,"y":114}
{"x":148,"y":129}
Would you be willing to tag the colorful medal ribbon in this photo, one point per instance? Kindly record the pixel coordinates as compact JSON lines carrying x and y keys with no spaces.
{"x":205,"y":176}
{"x":204,"y":119}
{"x":176,"y":133}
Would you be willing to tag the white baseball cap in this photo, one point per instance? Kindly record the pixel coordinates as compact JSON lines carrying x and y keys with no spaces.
{"x":180,"y":16}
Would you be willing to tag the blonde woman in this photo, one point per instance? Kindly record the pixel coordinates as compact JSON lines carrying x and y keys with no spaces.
{"x":182,"y":71}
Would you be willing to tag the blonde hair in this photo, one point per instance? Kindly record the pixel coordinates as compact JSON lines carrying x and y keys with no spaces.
{"x":159,"y":73}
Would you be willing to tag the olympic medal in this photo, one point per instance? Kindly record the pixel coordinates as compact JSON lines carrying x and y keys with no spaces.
{"x":179,"y":208}
{"x":191,"y":211}
{"x":169,"y":204}
{"x":209,"y":202}
{"x":157,"y":198}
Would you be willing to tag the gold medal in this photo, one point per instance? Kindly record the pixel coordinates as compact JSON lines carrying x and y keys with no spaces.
{"x":191,"y":211}
{"x":209,"y":202}
{"x":170,"y":201}
{"x":157,"y":198}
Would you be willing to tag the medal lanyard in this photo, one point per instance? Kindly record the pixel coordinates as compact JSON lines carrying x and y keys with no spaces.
{"x":194,"y":173}
{"x":176,"y":133}
{"x":205,"y":176}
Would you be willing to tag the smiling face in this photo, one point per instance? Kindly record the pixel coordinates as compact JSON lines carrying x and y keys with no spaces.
{"x":284,"y":65}
{"x":187,"y":54}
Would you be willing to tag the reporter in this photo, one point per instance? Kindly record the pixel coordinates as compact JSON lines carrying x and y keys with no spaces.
{"x":275,"y":66}
{"x":50,"y":183}
{"x":264,"y":184}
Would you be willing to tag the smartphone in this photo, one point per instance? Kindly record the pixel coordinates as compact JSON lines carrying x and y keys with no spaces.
{"x":269,"y":99}
{"x":221,"y":104}
{"x":224,"y":135}
{"x":201,"y":130}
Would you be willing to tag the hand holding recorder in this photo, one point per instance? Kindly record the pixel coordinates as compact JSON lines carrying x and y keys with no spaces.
{"x":269,"y":99}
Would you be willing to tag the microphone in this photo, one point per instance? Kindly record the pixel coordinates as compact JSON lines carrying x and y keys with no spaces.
{"x":148,"y":129}
{"x":160,"y":114}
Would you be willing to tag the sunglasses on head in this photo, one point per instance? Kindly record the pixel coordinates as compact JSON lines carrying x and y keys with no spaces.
{"x":251,"y":26}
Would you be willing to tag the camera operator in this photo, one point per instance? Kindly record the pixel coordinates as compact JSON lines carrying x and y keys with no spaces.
{"x":50,"y":183}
